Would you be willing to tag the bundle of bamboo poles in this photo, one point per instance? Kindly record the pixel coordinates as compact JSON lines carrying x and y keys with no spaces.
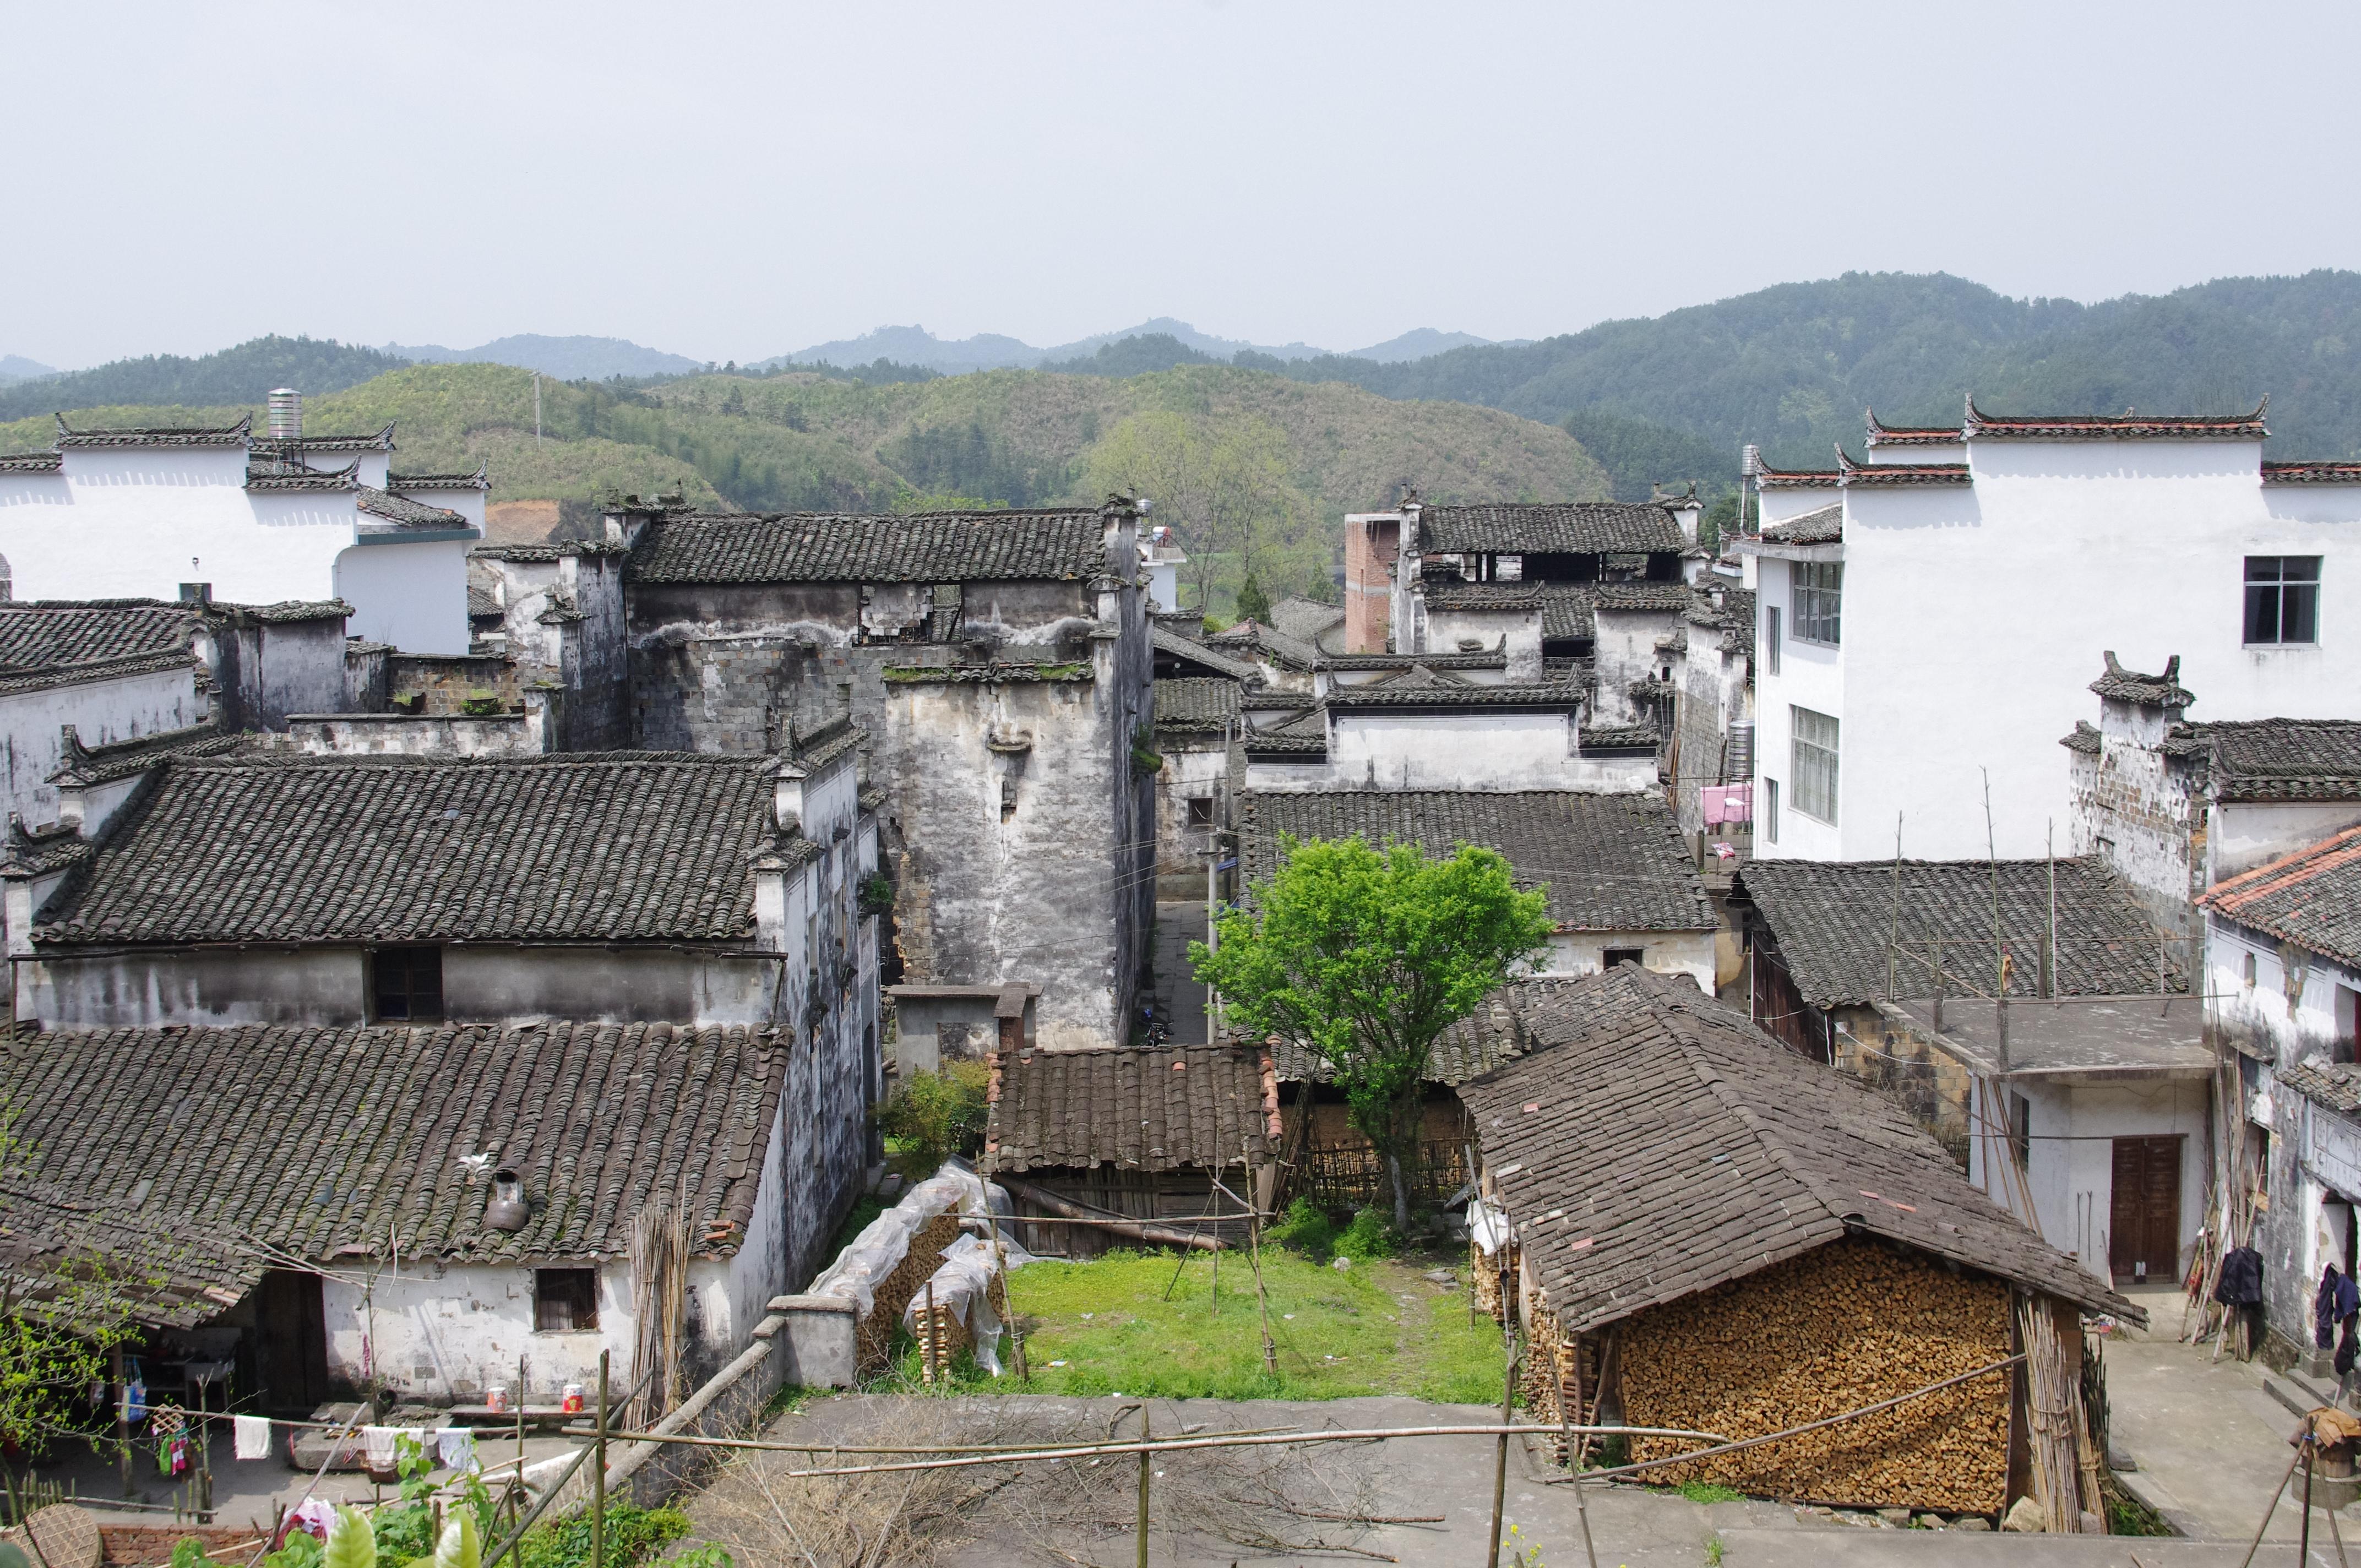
{"x":1841,"y":1327}
{"x":2065,"y":1461}
{"x":660,"y":1305}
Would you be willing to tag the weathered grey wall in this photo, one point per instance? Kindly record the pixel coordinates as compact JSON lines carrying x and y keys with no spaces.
{"x":301,"y":669}
{"x":1624,"y":647}
{"x":327,"y":986}
{"x":2133,"y":806}
{"x":205,"y":986}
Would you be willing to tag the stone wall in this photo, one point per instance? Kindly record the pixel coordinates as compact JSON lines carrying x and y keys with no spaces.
{"x":2140,"y":809}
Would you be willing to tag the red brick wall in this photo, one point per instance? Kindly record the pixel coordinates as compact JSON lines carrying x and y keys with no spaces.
{"x":1369,"y":549}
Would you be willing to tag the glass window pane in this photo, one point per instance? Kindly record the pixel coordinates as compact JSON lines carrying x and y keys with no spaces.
{"x":2262,"y":568}
{"x":2299,"y":609}
{"x":2262,"y":613}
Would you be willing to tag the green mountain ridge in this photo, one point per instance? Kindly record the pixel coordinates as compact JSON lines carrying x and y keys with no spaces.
{"x":1298,"y":455}
{"x":1792,"y":368}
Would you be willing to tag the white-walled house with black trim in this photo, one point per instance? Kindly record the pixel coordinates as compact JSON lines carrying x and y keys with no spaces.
{"x":1921,"y":616}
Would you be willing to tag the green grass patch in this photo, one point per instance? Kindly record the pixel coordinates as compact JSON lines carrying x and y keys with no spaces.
{"x":1377,"y":1327}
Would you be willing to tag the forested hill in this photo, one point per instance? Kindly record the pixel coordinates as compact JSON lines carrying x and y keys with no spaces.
{"x":1792,"y":367}
{"x":243,"y":374}
{"x":1256,"y":470}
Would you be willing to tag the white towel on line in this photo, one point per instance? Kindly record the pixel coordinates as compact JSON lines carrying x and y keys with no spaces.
{"x":253,"y":1436}
{"x":456,"y":1447}
{"x":377,"y":1443}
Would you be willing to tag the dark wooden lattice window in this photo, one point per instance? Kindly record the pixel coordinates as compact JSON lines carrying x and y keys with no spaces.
{"x":564,"y":1299}
{"x":407,"y":983}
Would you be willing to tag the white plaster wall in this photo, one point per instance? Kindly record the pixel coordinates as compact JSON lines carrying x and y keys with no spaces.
{"x":102,"y":712}
{"x":1977,"y":615}
{"x":1813,"y":675}
{"x":1516,"y":633}
{"x":1480,"y":750}
{"x":1780,"y":505}
{"x":412,"y":596}
{"x":1950,"y":452}
{"x":443,"y":1330}
{"x":2245,"y":835}
{"x":1625,"y":650}
{"x":469,"y":503}
{"x":398,"y":734}
{"x":2260,"y":1013}
{"x":2070,"y":1168}
{"x":1665,"y":953}
{"x":138,"y":523}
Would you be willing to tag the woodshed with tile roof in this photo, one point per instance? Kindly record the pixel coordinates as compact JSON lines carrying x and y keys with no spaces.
{"x":1160,"y":1109}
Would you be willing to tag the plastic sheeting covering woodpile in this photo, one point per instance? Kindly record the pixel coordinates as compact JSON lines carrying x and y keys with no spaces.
{"x":889,"y":1262}
{"x":1843,"y":1326}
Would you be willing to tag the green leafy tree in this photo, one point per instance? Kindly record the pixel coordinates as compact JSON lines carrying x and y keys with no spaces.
{"x":1223,"y":483}
{"x":1364,"y":957}
{"x":1253,"y":603}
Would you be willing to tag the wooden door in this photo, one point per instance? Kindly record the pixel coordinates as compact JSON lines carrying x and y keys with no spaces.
{"x":290,"y":1353}
{"x":2143,"y":1211}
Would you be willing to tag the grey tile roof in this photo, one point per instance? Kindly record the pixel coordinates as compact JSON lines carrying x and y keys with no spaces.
{"x":1196,"y":704}
{"x":2311,"y":898}
{"x":1612,"y":862}
{"x":2125,"y":427}
{"x":37,"y":851}
{"x":1892,"y":476}
{"x":2147,"y":691}
{"x":37,"y":634}
{"x":1643,"y":596}
{"x":481,"y":480}
{"x":288,"y":610}
{"x":2282,"y":759}
{"x":2336,"y":1085}
{"x":545,"y":553}
{"x":31,"y":463}
{"x":928,"y":547}
{"x":1655,"y":1145}
{"x":2085,"y":739}
{"x":84,"y":765}
{"x":1571,"y":528}
{"x":295,"y":446}
{"x":1304,"y":736}
{"x":403,"y":512}
{"x":276,"y":478}
{"x":1771,"y":479}
{"x":170,"y":1273}
{"x":1832,"y":921}
{"x":1419,"y":688}
{"x":590,"y":846}
{"x":1305,"y":619}
{"x":1494,"y":660}
{"x":227,"y":435}
{"x":1824,"y":526}
{"x":1292,"y":652}
{"x":1622,"y":737}
{"x":332,"y":1143}
{"x":814,"y":749}
{"x":2314,"y":473}
{"x":1160,"y":1109}
{"x":1173,"y":646}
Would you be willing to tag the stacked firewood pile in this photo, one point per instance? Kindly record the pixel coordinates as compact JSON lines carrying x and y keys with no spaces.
{"x":1844,"y":1326}
{"x":874,"y":1340}
{"x":941,"y":1335}
{"x":1484,"y":1270}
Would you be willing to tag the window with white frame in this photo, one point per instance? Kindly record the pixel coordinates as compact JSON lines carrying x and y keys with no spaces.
{"x":1813,"y":737}
{"x":1818,"y":591}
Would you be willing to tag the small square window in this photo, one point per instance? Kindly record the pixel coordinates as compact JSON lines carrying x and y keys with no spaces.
{"x":2282,"y":599}
{"x":564,"y":1299}
{"x":1200,"y":814}
{"x":406,"y":985}
{"x":1614,"y":955}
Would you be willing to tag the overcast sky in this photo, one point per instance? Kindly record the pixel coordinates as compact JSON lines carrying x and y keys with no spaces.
{"x":736,"y":181}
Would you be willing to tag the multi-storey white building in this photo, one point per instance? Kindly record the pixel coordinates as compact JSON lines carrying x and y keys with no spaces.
{"x":1925,"y":620}
{"x":259,"y":520}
